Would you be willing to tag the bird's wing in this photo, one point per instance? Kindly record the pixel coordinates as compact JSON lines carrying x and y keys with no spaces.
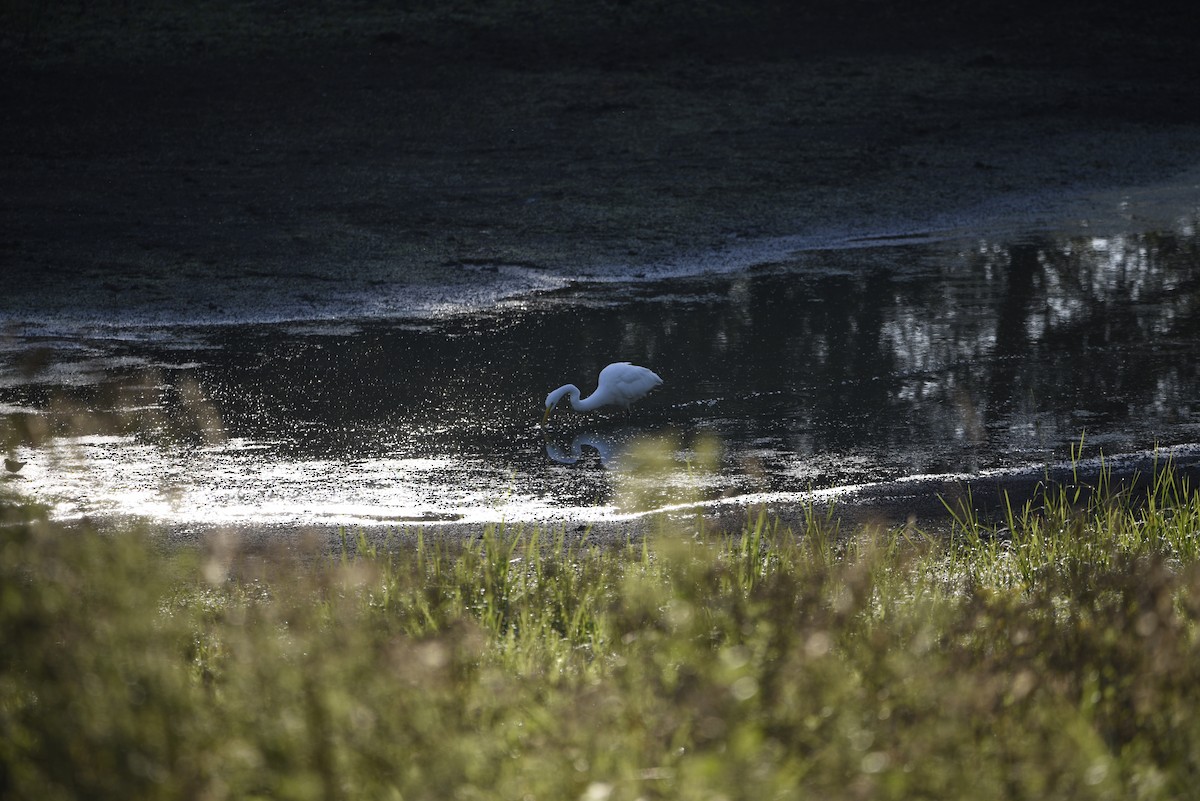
{"x":628,"y":382}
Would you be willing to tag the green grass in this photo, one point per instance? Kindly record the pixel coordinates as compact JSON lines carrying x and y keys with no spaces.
{"x":1055,"y":656}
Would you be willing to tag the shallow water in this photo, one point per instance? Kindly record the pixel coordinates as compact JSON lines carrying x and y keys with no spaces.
{"x":826,"y":369}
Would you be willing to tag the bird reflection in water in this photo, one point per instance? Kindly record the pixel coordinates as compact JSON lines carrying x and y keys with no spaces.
{"x":611,"y":447}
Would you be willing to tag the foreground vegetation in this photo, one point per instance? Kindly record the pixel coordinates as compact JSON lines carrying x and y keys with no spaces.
{"x":1053,"y":657}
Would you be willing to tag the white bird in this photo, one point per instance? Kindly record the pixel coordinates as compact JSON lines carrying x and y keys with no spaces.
{"x":620,"y":384}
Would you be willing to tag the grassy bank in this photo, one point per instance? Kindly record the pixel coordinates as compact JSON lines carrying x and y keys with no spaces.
{"x":1054,"y":657}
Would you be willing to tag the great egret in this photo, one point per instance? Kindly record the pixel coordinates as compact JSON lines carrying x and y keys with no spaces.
{"x":620,"y":384}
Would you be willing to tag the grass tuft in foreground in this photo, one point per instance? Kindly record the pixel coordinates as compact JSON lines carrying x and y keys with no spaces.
{"x":1055,"y":656}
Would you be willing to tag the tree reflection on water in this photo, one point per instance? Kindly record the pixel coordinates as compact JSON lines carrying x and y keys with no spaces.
{"x":833,"y":367}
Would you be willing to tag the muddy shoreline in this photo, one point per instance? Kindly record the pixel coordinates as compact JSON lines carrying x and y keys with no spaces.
{"x":286,"y":175}
{"x":927,"y":505}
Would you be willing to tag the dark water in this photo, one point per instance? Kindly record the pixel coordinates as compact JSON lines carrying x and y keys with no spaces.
{"x":832,"y":368}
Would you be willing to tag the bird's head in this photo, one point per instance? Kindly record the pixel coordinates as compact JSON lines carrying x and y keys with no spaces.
{"x":554,"y":397}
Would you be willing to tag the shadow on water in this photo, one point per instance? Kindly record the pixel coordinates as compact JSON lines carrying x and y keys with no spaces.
{"x":833,"y":368}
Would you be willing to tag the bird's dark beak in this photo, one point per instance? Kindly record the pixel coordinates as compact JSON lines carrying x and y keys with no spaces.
{"x":546,"y":416}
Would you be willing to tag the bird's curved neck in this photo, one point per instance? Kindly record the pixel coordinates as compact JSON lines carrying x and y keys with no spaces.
{"x":569,"y":390}
{"x":584,"y":404}
{"x":572,"y":393}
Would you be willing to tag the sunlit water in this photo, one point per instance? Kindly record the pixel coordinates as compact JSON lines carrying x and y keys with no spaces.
{"x":827,"y":369}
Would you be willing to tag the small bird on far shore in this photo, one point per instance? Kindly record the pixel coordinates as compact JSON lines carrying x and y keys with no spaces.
{"x":13,"y":466}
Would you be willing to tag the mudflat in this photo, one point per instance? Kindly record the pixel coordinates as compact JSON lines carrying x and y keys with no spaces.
{"x":160,"y":156}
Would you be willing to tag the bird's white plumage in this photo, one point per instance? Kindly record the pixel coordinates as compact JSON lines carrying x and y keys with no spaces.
{"x":619,"y":384}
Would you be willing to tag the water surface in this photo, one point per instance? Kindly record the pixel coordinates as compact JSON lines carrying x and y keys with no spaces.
{"x":825,"y":369}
